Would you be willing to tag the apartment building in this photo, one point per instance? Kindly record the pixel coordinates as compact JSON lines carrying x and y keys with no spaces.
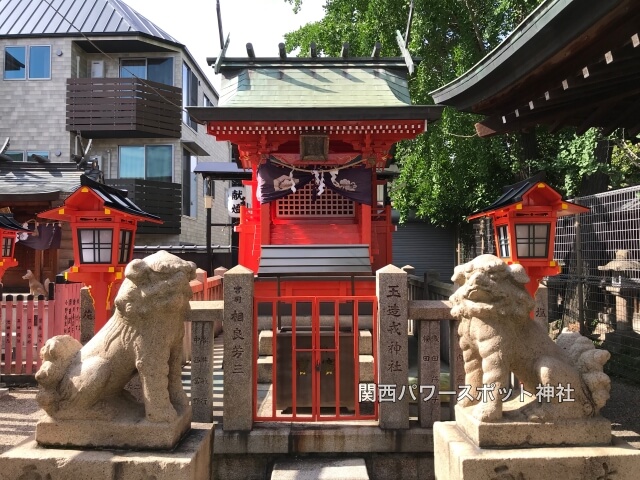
{"x":93,"y":82}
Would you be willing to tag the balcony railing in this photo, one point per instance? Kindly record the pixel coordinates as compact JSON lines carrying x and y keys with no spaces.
{"x":163,"y":199}
{"x":123,"y":107}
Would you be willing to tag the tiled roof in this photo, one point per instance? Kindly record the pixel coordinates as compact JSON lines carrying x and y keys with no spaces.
{"x":308,"y":87}
{"x":55,"y":17}
{"x":25,"y":179}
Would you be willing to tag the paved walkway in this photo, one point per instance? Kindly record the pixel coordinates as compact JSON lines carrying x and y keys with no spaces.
{"x":19,"y":411}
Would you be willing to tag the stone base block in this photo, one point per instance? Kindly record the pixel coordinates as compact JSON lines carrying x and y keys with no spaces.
{"x":326,"y":469}
{"x":458,"y":458}
{"x":265,"y":342}
{"x":365,"y":343}
{"x":190,"y":460}
{"x":366,"y":368}
{"x":265,"y":369}
{"x":131,"y":432}
{"x":510,"y":432}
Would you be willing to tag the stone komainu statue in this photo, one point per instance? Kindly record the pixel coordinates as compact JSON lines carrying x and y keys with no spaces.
{"x":497,"y":337}
{"x":143,"y":336}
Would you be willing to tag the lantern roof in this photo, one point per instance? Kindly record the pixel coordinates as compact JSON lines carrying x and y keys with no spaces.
{"x":104,"y":196}
{"x":532,"y":192}
{"x":7,"y":222}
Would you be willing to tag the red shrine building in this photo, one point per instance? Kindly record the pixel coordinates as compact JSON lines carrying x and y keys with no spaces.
{"x":314,"y":138}
{"x":316,"y":134}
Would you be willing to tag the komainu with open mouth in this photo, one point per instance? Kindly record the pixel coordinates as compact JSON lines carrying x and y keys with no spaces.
{"x":497,"y":337}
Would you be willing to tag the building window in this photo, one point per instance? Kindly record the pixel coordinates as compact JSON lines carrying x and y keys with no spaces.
{"x":206,"y":102}
{"x":16,"y":155}
{"x":151,"y":162}
{"x":189,"y":94}
{"x":37,"y":156}
{"x":189,"y":184}
{"x":503,"y":241}
{"x":532,"y":240}
{"x":33,"y":62}
{"x":155,"y":69}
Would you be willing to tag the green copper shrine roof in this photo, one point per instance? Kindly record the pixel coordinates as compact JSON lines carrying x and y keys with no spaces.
{"x":333,"y":86}
{"x":313,"y":89}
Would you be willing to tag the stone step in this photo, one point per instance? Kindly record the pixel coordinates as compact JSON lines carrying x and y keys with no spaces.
{"x":265,"y":367}
{"x":320,"y":469}
{"x":265,"y":343}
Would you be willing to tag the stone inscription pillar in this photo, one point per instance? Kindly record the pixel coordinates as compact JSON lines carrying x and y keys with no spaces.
{"x":393,"y":359}
{"x":87,"y":316}
{"x":238,"y":349}
{"x":428,"y":372}
{"x":541,"y":309}
{"x":203,"y":316}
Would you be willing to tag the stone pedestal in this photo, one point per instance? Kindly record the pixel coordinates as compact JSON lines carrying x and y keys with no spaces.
{"x":129,"y":430}
{"x":457,"y":458}
{"x":190,"y":460}
{"x":516,"y":432}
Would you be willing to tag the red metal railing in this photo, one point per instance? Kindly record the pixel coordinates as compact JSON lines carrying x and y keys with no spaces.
{"x":310,"y":348}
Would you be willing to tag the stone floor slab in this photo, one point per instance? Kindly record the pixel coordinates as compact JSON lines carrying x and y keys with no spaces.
{"x":321,"y":469}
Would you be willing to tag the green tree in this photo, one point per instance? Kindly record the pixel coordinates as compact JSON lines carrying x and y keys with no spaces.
{"x":449,"y":172}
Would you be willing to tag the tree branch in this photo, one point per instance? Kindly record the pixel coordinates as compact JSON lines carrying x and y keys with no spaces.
{"x":635,"y":159}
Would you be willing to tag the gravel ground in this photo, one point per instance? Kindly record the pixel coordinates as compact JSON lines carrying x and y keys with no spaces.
{"x":19,"y":413}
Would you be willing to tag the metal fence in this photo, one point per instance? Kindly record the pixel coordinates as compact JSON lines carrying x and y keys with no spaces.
{"x":599,"y":285}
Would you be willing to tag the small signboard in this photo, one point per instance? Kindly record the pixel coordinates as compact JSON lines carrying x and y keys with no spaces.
{"x":236,"y":197}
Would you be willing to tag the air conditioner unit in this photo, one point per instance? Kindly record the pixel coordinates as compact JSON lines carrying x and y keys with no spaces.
{"x":97,"y":68}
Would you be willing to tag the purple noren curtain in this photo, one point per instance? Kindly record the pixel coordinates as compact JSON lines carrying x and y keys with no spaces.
{"x":276,"y":182}
{"x":48,"y":236}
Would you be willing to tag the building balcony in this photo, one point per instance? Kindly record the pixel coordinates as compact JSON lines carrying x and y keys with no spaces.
{"x":123,"y":108}
{"x":163,"y":199}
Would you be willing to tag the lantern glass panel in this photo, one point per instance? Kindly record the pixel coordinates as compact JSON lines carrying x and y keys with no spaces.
{"x":7,"y":245}
{"x":95,"y":245}
{"x":532,"y":240}
{"x":503,"y":241}
{"x":124,"y":254}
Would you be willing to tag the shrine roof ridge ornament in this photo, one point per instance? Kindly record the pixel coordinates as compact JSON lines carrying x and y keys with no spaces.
{"x":232,"y":63}
{"x":407,"y":61}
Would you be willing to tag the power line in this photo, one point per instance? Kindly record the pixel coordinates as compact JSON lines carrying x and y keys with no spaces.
{"x":182,"y":109}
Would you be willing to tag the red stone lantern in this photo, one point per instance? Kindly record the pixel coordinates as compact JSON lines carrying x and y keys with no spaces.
{"x":8,"y":230}
{"x":103,"y":223}
{"x":524,"y":224}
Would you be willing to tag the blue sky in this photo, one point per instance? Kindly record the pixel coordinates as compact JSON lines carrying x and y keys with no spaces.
{"x":261,"y":22}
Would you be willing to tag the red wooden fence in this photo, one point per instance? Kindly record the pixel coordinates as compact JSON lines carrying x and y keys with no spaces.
{"x":27,"y":324}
